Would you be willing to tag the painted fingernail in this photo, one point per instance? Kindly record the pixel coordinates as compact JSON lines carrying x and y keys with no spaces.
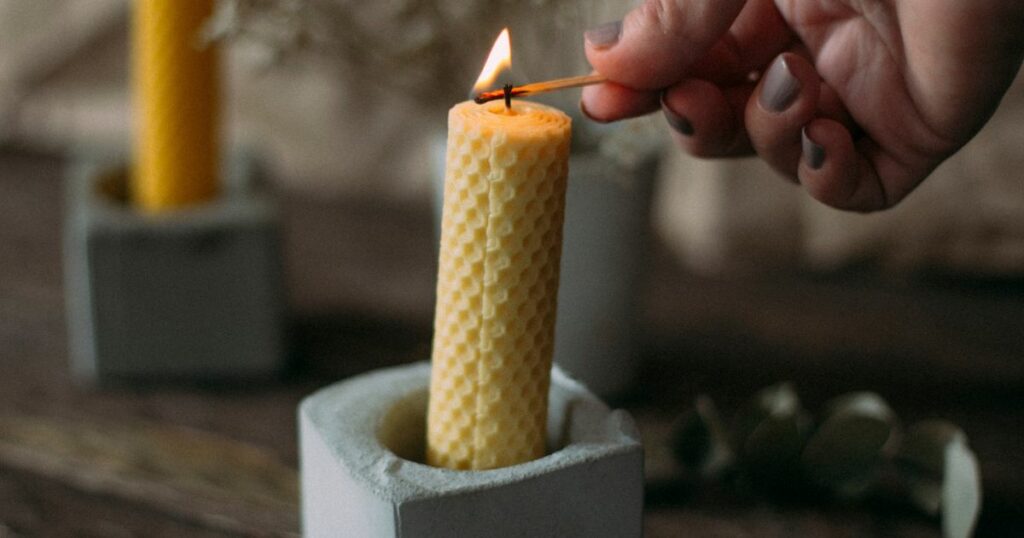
{"x":604,"y":36}
{"x":814,"y":153}
{"x":780,"y":87}
{"x":676,"y":121}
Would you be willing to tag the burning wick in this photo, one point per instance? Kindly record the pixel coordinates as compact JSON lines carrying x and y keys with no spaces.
{"x":509,"y":91}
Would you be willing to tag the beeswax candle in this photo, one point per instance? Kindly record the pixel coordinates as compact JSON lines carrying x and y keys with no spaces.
{"x":501,"y":240}
{"x":176,"y":104}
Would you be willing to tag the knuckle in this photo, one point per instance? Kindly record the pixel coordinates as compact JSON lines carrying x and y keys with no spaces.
{"x":662,"y":15}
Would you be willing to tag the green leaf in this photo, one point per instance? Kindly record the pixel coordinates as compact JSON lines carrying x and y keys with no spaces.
{"x":961,"y":490}
{"x":777,"y":401}
{"x":942,"y":475}
{"x":844,"y":454}
{"x":769,"y":435}
{"x":922,"y":461}
{"x":777,"y":440}
{"x":700,"y":442}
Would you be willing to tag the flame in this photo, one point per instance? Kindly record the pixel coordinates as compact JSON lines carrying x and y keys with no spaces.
{"x":498,"y":60}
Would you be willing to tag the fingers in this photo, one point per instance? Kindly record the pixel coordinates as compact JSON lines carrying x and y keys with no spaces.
{"x":610,"y":102}
{"x":786,"y":99}
{"x":757,"y":35}
{"x":705,"y":119}
{"x":855,"y":176}
{"x":832,"y":171}
{"x":663,"y":40}
{"x":701,"y":53}
{"x":652,"y":47}
{"x":801,"y":129}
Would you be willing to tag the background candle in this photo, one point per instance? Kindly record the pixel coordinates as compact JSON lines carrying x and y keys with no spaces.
{"x":501,"y":242}
{"x":176,"y":104}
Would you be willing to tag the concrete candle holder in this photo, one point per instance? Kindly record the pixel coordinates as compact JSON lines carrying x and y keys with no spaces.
{"x":362,"y":441}
{"x":193,"y":293}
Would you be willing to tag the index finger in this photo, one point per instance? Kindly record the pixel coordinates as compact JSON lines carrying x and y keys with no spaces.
{"x":654,"y":44}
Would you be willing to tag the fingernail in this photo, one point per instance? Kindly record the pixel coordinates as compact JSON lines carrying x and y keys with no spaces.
{"x":780,"y":87}
{"x":583,"y":110}
{"x":604,"y":36}
{"x":814,"y":153}
{"x":679,"y":123}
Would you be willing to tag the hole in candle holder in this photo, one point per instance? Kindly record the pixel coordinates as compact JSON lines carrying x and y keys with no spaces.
{"x":112,"y":185}
{"x":403,"y":428}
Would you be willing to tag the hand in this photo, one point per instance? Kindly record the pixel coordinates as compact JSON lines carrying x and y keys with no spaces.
{"x":858,"y":100}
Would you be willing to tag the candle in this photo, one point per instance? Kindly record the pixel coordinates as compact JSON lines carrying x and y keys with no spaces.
{"x":501,"y":237}
{"x":176,"y":103}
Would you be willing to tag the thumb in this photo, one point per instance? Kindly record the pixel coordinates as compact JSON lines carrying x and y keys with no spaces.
{"x":653,"y":46}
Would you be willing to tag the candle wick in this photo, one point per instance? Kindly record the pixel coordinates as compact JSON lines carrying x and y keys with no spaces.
{"x":508,"y":96}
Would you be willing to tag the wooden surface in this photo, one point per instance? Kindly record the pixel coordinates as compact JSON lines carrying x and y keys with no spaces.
{"x":206,"y":460}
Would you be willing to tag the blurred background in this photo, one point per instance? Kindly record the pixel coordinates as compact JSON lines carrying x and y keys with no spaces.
{"x":741,"y":279}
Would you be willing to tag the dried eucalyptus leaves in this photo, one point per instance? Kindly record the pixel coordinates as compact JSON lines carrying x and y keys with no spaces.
{"x":852,"y":449}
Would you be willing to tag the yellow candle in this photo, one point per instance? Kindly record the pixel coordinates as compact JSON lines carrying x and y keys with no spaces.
{"x":176,"y":104}
{"x":501,"y":239}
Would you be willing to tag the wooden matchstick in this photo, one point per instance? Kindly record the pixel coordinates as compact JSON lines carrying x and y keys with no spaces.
{"x":539,"y":87}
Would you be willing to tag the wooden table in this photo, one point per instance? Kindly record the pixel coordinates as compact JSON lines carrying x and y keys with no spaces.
{"x":215,"y":460}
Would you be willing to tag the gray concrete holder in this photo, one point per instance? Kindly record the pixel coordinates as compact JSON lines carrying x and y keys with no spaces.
{"x":361,"y":440}
{"x":191,"y":294}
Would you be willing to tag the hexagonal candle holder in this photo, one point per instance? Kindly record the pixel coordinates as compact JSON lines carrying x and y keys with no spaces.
{"x":192,"y":294}
{"x":362,"y":443}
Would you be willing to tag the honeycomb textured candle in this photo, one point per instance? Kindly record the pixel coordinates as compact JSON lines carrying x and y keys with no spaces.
{"x":501,"y":240}
{"x":176,"y":103}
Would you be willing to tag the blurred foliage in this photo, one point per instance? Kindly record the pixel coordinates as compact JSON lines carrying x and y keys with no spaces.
{"x":852,"y":449}
{"x":429,"y":50}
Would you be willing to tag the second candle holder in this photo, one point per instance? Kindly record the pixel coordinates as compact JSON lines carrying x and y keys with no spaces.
{"x":191,"y":294}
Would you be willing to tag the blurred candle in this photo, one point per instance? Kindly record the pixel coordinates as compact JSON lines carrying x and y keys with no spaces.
{"x":176,"y":91}
{"x":501,"y":239}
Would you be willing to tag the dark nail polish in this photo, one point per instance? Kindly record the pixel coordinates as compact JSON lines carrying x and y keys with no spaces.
{"x":677,"y":122}
{"x":814,"y":153}
{"x":604,"y":36}
{"x":780,"y":88}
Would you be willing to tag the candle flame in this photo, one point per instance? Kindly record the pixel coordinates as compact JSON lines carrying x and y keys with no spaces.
{"x":498,"y":60}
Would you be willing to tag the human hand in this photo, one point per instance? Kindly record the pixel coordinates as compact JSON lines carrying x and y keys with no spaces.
{"x":858,"y":100}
